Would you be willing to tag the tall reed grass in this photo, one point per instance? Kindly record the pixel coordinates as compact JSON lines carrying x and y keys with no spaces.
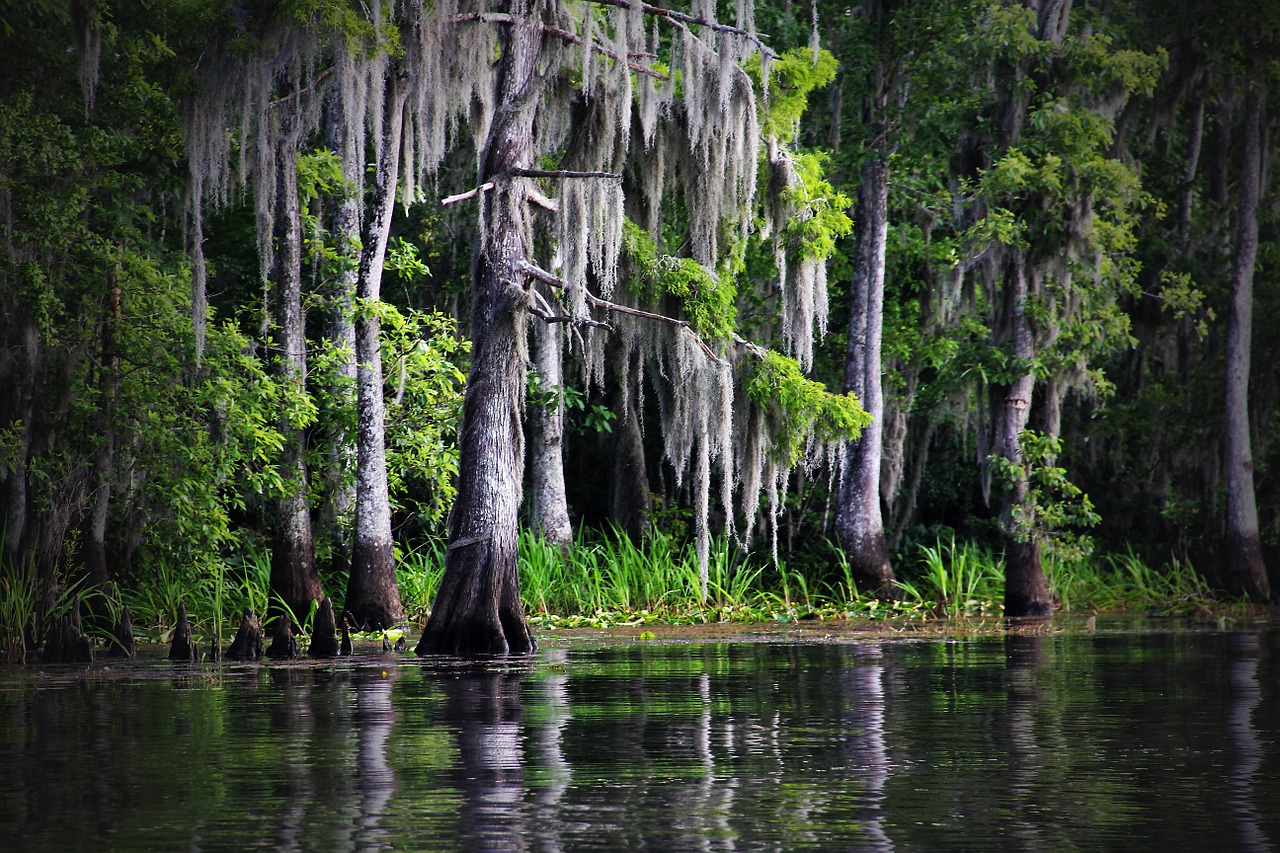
{"x":1126,"y":582}
{"x":955,"y":580}
{"x":606,"y":579}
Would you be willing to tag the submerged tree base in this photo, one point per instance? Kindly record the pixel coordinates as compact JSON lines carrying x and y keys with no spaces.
{"x":477,"y":636}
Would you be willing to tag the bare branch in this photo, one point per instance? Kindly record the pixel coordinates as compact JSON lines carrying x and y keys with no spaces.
{"x":547,"y":314}
{"x":535,"y":271}
{"x":454,"y":199}
{"x":572,"y":38}
{"x":542,"y":201}
{"x":297,"y":93}
{"x":681,"y":17}
{"x":606,"y":305}
{"x":544,"y":173}
{"x":486,"y":17}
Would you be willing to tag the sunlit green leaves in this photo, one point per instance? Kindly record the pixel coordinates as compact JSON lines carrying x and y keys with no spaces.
{"x":793,"y":76}
{"x":708,"y":301}
{"x":800,"y":407}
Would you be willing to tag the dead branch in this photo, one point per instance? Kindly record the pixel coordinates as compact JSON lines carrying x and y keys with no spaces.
{"x":551,"y":280}
{"x":453,"y":199}
{"x":545,"y":173}
{"x":682,"y":18}
{"x":573,"y":38}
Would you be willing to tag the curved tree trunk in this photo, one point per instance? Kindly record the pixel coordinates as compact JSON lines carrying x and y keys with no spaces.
{"x":373,"y":599}
{"x":477,"y":609}
{"x":548,"y":505}
{"x":1244,"y":572}
{"x":293,"y":563}
{"x":858,"y":518}
{"x":1026,"y":592}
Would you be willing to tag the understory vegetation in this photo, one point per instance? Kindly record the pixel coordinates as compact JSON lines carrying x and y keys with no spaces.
{"x":940,"y":309}
{"x":606,"y":581}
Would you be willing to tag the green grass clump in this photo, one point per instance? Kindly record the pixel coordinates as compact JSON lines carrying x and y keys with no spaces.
{"x":1126,"y":582}
{"x":955,"y":580}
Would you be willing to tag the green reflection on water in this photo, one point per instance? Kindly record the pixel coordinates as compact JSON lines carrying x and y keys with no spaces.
{"x":1021,"y":742}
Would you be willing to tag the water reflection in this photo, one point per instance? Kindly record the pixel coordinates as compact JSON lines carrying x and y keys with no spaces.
{"x":1247,"y":746}
{"x":1022,"y":742}
{"x":865,"y":742}
{"x":484,"y":708}
{"x":374,"y":719}
{"x":1024,"y":656}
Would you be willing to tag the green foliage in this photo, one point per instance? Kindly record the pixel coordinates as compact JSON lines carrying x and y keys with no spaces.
{"x":819,"y":219}
{"x":707,"y":300}
{"x":594,"y":418}
{"x":18,"y":608}
{"x":1055,"y":507}
{"x":1126,"y":582}
{"x":424,"y":390}
{"x":793,"y":76}
{"x":798,"y":407}
{"x":955,"y":580}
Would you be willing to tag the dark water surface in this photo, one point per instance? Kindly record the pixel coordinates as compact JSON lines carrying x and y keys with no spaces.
{"x":1135,"y":740}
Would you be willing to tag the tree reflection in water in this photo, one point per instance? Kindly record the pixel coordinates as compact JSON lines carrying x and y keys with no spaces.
{"x":374,"y":720}
{"x":484,"y":708}
{"x":1245,"y":696}
{"x":1035,"y":742}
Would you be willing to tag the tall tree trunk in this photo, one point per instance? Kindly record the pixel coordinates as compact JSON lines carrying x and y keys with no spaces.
{"x":1244,"y":571}
{"x":373,"y":599}
{"x":24,"y":373}
{"x":858,"y":518}
{"x":293,"y":564}
{"x":477,"y":609}
{"x":93,"y":542}
{"x":340,"y":499}
{"x":630,"y":503}
{"x":548,"y":505}
{"x":1195,"y":138}
{"x":1026,"y":593}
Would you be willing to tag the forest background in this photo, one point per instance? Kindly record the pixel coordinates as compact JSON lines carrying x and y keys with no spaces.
{"x":1035,"y":241}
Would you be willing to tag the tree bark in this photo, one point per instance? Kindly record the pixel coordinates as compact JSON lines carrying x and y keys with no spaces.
{"x":373,"y":598}
{"x":477,"y":610}
{"x":293,"y":565}
{"x":1244,"y":572}
{"x":93,"y":545}
{"x":1026,"y":593}
{"x":339,"y":506}
{"x":548,"y":505}
{"x":25,"y":378}
{"x":1195,"y":138}
{"x":859,"y":520}
{"x":859,"y":523}
{"x":630,"y":504}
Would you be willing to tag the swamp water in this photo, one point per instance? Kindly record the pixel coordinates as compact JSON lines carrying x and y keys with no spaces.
{"x":1141,"y":739}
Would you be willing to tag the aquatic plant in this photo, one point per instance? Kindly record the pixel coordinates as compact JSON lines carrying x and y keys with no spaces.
{"x":955,"y":580}
{"x":418,"y":573}
{"x":18,"y":595}
{"x":1126,"y":581}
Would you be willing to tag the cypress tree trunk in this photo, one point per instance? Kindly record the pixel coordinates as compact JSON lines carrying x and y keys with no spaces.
{"x":1026,"y":592}
{"x":20,"y":375}
{"x":1244,"y":571}
{"x":477,"y":609}
{"x":293,"y":564}
{"x":858,"y":518}
{"x":548,"y":506}
{"x":336,"y":514}
{"x":629,"y":502}
{"x":93,"y":544}
{"x":373,"y":599}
